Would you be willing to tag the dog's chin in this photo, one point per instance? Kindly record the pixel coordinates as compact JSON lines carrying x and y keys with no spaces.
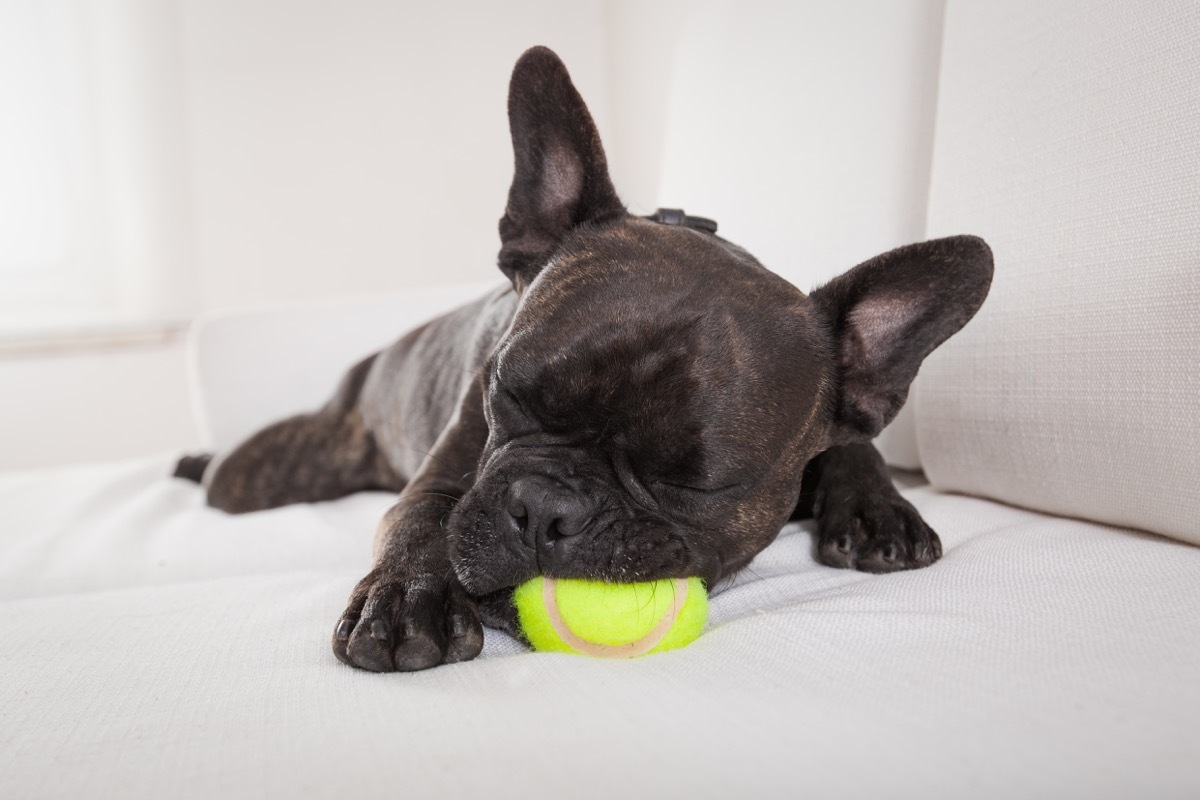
{"x":479,"y":582}
{"x":481,"y":577}
{"x":484,"y":564}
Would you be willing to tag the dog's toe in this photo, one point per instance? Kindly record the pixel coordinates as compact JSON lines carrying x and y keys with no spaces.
{"x":393,"y":624}
{"x":885,"y":554}
{"x":881,"y":537}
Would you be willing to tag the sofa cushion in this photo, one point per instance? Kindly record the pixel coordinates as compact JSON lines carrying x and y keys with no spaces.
{"x":253,"y":367}
{"x":1068,"y":136}
{"x":811,"y":155}
{"x":154,"y":647}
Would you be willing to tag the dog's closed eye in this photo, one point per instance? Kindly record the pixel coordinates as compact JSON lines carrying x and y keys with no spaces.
{"x":704,"y":491}
{"x":515,"y":403}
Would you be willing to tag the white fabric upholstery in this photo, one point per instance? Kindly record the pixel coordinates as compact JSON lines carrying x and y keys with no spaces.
{"x":156,"y":648}
{"x":254,"y":367}
{"x":897,"y":443}
{"x":1068,"y":136}
{"x":809,"y":154}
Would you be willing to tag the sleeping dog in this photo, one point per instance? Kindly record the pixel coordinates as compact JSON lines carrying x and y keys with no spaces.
{"x":644,"y":400}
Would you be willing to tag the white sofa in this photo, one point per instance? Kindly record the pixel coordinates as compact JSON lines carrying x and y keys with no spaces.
{"x":154,"y":647}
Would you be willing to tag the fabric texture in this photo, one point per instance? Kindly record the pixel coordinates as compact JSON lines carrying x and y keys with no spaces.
{"x":156,"y":648}
{"x":897,"y":443}
{"x":1068,"y":136}
{"x":257,"y":366}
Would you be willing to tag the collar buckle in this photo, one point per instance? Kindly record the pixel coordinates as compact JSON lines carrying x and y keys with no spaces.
{"x":676,"y":216}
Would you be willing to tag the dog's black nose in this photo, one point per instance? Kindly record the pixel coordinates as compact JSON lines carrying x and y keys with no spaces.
{"x":542,"y":511}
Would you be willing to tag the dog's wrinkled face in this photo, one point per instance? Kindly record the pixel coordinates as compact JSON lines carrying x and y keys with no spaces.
{"x":640,"y":424}
{"x":652,"y":407}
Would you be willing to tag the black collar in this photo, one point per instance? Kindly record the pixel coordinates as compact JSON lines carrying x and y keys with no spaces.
{"x":675,"y":216}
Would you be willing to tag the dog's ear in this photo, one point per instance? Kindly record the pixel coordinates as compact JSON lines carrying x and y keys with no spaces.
{"x":887,"y":315}
{"x":561,"y":178}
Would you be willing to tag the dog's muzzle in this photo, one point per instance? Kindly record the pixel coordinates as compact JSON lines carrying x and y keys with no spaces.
{"x":546,"y":517}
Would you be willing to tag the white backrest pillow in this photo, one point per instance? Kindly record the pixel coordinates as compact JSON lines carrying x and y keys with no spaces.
{"x":805,"y":130}
{"x":251,"y":368}
{"x":1068,"y":136}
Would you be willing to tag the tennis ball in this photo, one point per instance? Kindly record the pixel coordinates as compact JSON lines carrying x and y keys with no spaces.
{"x":611,"y":620}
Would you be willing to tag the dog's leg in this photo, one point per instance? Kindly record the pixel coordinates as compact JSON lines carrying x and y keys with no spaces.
{"x":862,"y":521}
{"x":305,"y":459}
{"x":410,"y":612}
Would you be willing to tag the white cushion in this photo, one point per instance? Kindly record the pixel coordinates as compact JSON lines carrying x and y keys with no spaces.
{"x":811,"y":155}
{"x":154,"y":648}
{"x":898,"y":441}
{"x":1068,"y":136}
{"x":257,"y":366}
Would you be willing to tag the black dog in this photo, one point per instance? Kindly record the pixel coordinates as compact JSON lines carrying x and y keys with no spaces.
{"x":645,"y":401}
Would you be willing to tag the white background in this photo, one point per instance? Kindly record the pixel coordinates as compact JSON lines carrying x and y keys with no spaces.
{"x":266,"y":151}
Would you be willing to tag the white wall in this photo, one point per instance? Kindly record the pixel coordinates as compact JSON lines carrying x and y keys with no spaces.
{"x":94,"y":170}
{"x":94,"y":405}
{"x":357,"y":147}
{"x":326,"y":149}
{"x":642,"y":43}
{"x":361,"y":147}
{"x":805,"y":129}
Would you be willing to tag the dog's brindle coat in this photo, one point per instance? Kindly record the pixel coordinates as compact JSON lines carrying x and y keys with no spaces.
{"x":645,"y":401}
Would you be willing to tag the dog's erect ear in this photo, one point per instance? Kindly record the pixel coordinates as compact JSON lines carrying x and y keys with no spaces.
{"x":888,"y":314}
{"x":561,"y":178}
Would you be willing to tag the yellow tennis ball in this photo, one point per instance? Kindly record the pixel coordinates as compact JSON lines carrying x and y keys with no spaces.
{"x":611,"y":620}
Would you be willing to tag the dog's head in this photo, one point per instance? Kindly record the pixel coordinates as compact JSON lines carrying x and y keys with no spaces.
{"x":654,"y":403}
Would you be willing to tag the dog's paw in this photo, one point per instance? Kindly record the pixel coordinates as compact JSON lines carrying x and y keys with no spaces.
{"x":874,"y":534}
{"x":402,"y":624}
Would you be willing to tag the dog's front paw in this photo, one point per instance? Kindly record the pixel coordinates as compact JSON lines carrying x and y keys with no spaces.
{"x":874,"y":534}
{"x":407,"y":623}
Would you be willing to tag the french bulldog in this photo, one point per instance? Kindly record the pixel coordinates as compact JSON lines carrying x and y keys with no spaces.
{"x":643,"y":400}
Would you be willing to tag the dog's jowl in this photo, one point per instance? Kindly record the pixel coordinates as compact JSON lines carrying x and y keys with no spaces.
{"x":644,"y":400}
